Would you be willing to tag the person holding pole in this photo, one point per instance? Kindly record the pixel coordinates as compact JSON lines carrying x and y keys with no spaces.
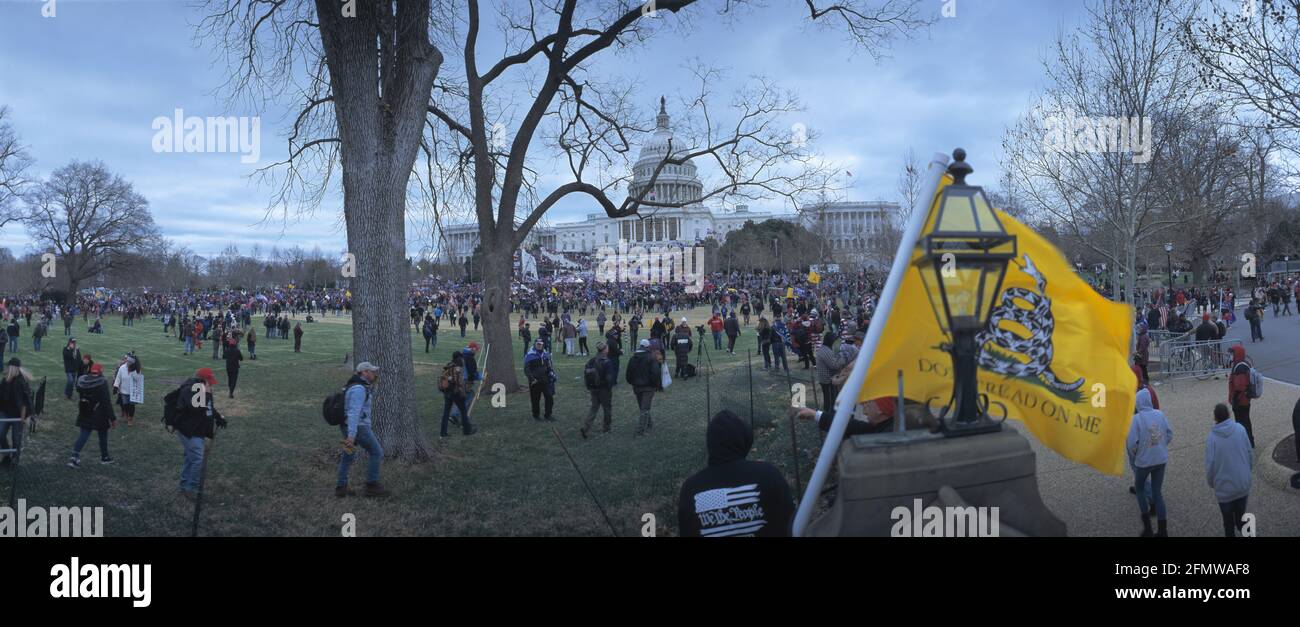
{"x":196,"y":418}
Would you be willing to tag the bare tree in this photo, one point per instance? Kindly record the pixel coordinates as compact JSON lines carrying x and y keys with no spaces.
{"x":1250,"y":53}
{"x":90,"y":219}
{"x":1088,"y":155}
{"x":376,"y":94}
{"x":14,"y":162}
{"x":487,"y":137}
{"x":909,"y":186}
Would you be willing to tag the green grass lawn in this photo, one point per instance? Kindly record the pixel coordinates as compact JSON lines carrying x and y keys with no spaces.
{"x":272,"y":472}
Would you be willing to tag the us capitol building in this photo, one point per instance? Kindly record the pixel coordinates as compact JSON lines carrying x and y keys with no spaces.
{"x":848,"y":226}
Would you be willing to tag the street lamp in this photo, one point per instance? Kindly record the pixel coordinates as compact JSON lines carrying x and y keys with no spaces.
{"x":966,"y":257}
{"x":1169,"y":259}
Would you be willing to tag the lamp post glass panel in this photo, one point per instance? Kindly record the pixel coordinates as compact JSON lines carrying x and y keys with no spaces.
{"x":965,"y":260}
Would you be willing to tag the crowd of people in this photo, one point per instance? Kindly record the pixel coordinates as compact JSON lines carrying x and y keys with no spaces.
{"x":819,"y":325}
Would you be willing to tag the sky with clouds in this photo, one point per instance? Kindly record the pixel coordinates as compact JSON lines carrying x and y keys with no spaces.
{"x":88,"y":84}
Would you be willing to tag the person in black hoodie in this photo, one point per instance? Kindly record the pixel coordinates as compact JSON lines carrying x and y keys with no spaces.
{"x":196,"y":419}
{"x":233,"y":357}
{"x":645,"y":375}
{"x":734,"y":496}
{"x":94,"y":413}
{"x":15,"y":402}
{"x":71,"y":366}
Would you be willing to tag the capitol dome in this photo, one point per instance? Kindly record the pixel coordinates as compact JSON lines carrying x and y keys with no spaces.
{"x":676,"y":183}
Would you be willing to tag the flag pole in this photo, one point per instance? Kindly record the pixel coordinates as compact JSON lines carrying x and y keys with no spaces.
{"x":849,"y":397}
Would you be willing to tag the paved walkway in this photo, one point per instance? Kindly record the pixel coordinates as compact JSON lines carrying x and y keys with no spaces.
{"x":1094,"y":504}
{"x":1278,"y":356}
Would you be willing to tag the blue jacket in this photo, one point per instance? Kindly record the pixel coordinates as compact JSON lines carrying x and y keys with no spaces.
{"x":1148,"y":434}
{"x":356,"y":405}
{"x":471,"y":365}
{"x":1228,"y":461}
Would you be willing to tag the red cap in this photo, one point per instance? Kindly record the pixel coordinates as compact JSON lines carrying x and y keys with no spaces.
{"x":96,"y":369}
{"x":473,"y":345}
{"x":206,"y":375}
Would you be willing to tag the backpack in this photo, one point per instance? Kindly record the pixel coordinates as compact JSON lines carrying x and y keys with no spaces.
{"x":334,"y":408}
{"x":1256,"y":387}
{"x":1255,"y":384}
{"x":170,"y":414}
{"x":450,"y":378}
{"x":593,"y":374}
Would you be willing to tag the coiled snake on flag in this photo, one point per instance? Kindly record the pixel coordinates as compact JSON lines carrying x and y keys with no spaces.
{"x":1037,"y":347}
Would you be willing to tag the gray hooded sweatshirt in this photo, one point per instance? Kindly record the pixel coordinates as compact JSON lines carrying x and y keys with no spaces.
{"x":1148,"y":435}
{"x":1228,"y":461}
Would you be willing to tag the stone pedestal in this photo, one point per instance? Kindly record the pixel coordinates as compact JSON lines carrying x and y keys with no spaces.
{"x":880,"y":472}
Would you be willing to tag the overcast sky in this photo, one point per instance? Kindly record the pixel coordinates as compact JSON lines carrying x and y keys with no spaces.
{"x":88,"y":84}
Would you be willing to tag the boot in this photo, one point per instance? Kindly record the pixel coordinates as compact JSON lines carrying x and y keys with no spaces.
{"x":1162,"y":529}
{"x":374,"y":489}
{"x":343,"y":491}
{"x":1146,"y":526}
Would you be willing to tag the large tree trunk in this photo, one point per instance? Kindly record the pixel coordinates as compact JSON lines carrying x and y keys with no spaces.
{"x":497,"y":330}
{"x":379,"y":136}
{"x":381,"y":334}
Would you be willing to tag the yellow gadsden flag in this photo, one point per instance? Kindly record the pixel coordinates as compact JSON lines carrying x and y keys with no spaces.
{"x":814,"y":278}
{"x":1055,"y":353}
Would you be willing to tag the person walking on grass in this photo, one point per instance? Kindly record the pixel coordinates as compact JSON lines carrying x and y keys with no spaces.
{"x":582,"y":337}
{"x":71,"y":366}
{"x":765,"y":341}
{"x":233,"y":357}
{"x":196,"y":420}
{"x":828,"y":364}
{"x":94,"y":413}
{"x":455,"y":387}
{"x":42,"y":329}
{"x":357,"y":429}
{"x":1228,"y":462}
{"x":14,"y":331}
{"x":297,"y":337}
{"x":252,"y":343}
{"x":645,"y":375}
{"x":599,"y":375}
{"x":682,"y":345}
{"x":541,"y":380}
{"x":128,"y":383}
{"x":15,"y":402}
{"x":1148,"y":441}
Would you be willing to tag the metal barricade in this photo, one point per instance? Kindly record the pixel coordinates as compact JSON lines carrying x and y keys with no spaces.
{"x":1186,"y":358}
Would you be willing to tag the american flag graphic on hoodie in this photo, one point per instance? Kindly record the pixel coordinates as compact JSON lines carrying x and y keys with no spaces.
{"x":722,"y":512}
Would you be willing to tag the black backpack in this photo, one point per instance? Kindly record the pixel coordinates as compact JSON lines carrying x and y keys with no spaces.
{"x":593,"y":374}
{"x":334,"y":408}
{"x":170,"y":413}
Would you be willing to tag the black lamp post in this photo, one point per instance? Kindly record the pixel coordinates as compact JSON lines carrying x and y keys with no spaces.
{"x":1169,"y":259}
{"x":966,"y":255}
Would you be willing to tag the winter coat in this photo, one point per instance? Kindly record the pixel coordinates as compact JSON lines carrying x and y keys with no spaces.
{"x":1149,"y":434}
{"x":95,"y":406}
{"x":1228,"y":461}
